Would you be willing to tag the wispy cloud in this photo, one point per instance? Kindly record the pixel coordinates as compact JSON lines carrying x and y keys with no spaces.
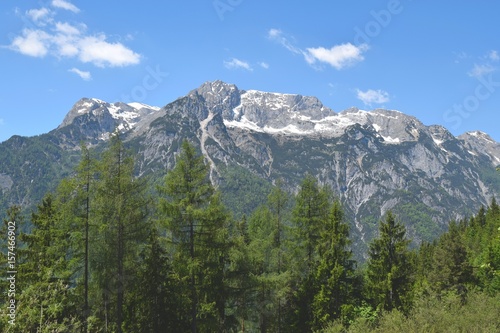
{"x":235,"y":63}
{"x":65,"y":40}
{"x":281,"y":38}
{"x":493,"y":55}
{"x":484,"y":65}
{"x":264,"y":65}
{"x":338,"y":56}
{"x":38,"y":15}
{"x":480,"y":70}
{"x":65,"y":5}
{"x":83,"y":74}
{"x":371,"y":96}
{"x":1,"y":121}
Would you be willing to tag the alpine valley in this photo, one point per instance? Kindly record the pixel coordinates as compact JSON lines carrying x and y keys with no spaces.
{"x":374,"y":161}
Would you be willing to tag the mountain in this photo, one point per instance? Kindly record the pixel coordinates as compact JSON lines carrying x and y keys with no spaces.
{"x":373,"y":160}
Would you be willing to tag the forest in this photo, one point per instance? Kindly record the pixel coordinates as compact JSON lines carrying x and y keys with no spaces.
{"x":103,"y":253}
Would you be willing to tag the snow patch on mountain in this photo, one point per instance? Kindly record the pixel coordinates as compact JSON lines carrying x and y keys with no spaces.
{"x":110,"y":116}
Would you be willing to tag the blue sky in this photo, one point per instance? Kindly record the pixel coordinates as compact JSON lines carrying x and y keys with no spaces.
{"x":438,"y":61}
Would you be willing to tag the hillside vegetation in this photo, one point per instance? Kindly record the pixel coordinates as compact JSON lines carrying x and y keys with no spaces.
{"x":102,"y":253}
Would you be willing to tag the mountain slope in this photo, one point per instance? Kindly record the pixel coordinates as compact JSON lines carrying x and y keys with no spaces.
{"x":374,"y":161}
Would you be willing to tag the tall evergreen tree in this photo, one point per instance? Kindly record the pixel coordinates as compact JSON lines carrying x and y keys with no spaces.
{"x":309,"y":218}
{"x":198,"y":229}
{"x":390,"y":271}
{"x":451,"y":266}
{"x":153,"y":306}
{"x":46,"y":302}
{"x":335,"y":276}
{"x":74,"y":195}
{"x":121,"y":214}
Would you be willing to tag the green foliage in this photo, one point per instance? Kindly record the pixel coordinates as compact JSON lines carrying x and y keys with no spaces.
{"x":451,"y":266}
{"x":197,"y":225}
{"x":271,"y":264}
{"x":430,"y":314}
{"x":241,"y":190}
{"x":46,"y":303}
{"x":91,"y":259}
{"x":335,"y":276}
{"x":419,"y":216}
{"x":390,"y":273}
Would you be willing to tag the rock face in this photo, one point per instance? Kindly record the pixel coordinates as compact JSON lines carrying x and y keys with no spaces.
{"x":374,"y":161}
{"x":93,"y":120}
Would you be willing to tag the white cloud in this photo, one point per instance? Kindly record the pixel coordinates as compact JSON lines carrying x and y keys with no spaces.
{"x":68,"y":29}
{"x":237,"y":63}
{"x":96,"y":50}
{"x":339,"y":56}
{"x":480,"y":70}
{"x":33,"y":43}
{"x":373,"y":96}
{"x":83,"y":74}
{"x":38,"y":15}
{"x":1,"y":121}
{"x":61,"y":39}
{"x":65,"y":5}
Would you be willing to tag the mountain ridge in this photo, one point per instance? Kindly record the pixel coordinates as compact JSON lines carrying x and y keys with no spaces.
{"x":374,"y":161}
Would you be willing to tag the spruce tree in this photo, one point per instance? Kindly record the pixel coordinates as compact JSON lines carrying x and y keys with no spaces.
{"x":309,"y":218}
{"x":197,"y":225}
{"x":335,"y":276}
{"x":451,"y":267}
{"x":122,"y":225}
{"x":46,"y":301}
{"x":390,"y":271}
{"x":75,"y":195}
{"x":154,"y":304}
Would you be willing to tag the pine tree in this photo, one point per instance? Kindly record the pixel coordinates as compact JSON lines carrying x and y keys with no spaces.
{"x":241,"y":279}
{"x":154,"y":304}
{"x":278,"y":201}
{"x":46,"y":303}
{"x":335,"y":276}
{"x":74,"y":195}
{"x":309,"y":218}
{"x":390,"y":273}
{"x":451,"y":268}
{"x":121,"y":217}
{"x":198,"y":227}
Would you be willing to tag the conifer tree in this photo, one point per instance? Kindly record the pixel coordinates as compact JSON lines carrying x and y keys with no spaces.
{"x":121,"y":217}
{"x":335,"y":276}
{"x":241,"y":279}
{"x":46,"y":302}
{"x":197,"y":224}
{"x":390,"y":271}
{"x":155,"y":305}
{"x":75,"y":195}
{"x":451,"y":267}
{"x":309,"y":218}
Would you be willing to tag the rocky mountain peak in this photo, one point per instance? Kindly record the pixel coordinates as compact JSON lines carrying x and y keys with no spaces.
{"x":478,"y":142}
